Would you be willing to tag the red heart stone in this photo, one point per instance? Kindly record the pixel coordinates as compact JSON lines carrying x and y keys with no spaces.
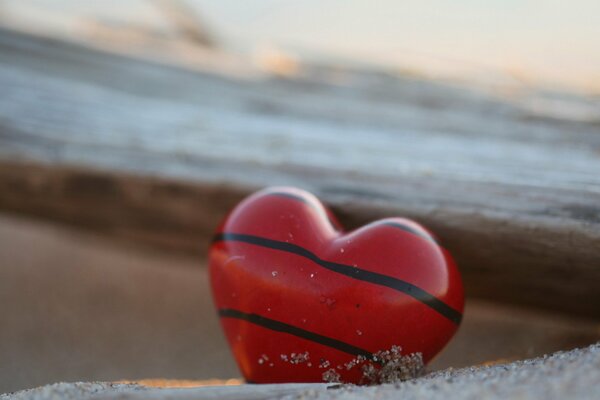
{"x":299,"y":299}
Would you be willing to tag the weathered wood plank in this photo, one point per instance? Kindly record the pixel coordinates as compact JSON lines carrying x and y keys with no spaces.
{"x":159,"y":153}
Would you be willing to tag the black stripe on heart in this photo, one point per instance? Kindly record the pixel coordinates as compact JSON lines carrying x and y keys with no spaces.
{"x":279,"y":326}
{"x":353,"y":272}
{"x":398,"y":225}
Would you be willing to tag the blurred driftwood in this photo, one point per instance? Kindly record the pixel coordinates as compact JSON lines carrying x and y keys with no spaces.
{"x":158,"y":154}
{"x":186,"y":21}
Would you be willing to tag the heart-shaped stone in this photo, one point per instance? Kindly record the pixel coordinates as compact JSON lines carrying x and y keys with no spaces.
{"x":302,"y":301}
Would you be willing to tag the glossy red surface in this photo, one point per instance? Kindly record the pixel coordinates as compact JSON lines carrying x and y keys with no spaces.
{"x":287,"y":281}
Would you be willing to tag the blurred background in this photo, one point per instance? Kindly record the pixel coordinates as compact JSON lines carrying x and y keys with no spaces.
{"x":535,"y":42}
{"x":129,"y":128}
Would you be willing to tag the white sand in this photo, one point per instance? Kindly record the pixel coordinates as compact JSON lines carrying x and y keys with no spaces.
{"x":563,"y":375}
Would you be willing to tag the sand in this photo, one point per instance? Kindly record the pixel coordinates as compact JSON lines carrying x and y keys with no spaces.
{"x":573,"y":374}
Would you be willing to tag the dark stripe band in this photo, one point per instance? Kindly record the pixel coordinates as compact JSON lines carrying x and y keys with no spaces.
{"x":279,"y":326}
{"x":350,"y":271}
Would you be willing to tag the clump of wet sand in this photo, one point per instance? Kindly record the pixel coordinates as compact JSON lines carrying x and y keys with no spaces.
{"x":385,"y":366}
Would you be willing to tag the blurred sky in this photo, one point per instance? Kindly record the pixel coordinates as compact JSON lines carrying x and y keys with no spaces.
{"x":547,"y":42}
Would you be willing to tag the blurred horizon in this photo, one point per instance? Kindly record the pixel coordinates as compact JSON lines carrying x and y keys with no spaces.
{"x":544,"y":44}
